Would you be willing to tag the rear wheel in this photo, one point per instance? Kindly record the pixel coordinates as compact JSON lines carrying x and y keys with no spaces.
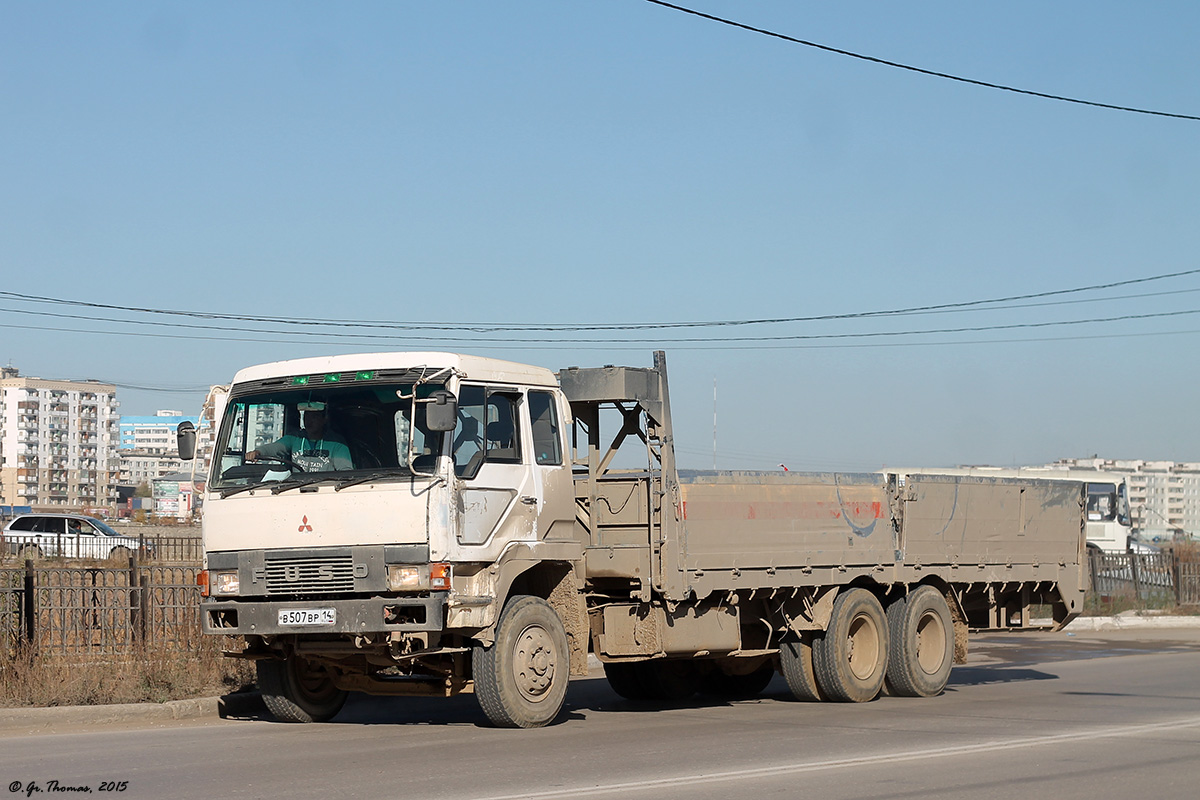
{"x":796,"y":664}
{"x":850,"y":660}
{"x":30,"y":552}
{"x":921,"y":631}
{"x":120,"y":553}
{"x":296,"y":690}
{"x":521,"y":680}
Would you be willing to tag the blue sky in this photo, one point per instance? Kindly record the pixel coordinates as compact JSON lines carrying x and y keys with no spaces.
{"x":618,"y":162}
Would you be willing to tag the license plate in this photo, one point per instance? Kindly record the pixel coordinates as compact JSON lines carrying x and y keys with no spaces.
{"x":307,"y":616}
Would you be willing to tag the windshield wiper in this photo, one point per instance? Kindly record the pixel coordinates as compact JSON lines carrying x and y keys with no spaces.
{"x":377,"y":475}
{"x":296,"y":483}
{"x":231,"y":491}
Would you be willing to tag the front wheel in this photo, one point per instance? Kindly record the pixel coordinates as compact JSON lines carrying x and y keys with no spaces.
{"x":521,"y":680}
{"x":296,"y":690}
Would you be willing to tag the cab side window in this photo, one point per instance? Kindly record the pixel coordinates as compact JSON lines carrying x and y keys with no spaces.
{"x":468,"y":433}
{"x":488,"y":430}
{"x":501,"y":432}
{"x":543,"y":417}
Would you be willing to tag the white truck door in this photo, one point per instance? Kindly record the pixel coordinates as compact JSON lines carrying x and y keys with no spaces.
{"x":498,"y":492}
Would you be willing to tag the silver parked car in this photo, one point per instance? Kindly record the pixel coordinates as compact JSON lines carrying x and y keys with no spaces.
{"x":65,"y":536}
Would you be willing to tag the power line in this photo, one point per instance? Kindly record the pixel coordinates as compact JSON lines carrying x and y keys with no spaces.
{"x":602,"y":345}
{"x":480,"y":327}
{"x":243,"y":329}
{"x":919,"y":70}
{"x":165,"y":389}
{"x":643,"y":340}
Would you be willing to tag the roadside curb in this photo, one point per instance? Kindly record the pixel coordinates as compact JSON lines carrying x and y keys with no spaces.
{"x":223,"y":706}
{"x":1131,"y":622}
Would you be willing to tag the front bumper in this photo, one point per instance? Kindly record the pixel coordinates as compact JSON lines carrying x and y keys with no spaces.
{"x":367,"y":615}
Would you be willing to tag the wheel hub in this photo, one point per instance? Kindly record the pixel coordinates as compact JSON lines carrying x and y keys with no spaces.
{"x":534,"y":663}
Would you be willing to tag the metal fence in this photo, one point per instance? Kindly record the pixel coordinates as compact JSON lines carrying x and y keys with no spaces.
{"x":16,"y":548}
{"x":1187,"y":581}
{"x":1146,"y":579}
{"x":99,"y":610}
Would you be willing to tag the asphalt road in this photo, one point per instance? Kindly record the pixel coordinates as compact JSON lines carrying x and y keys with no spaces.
{"x":1090,"y":715}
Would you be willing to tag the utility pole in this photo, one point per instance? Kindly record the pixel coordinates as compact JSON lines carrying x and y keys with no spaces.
{"x":714,"y":424}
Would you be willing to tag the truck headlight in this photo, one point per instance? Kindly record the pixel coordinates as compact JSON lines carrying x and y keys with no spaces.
{"x":225,"y":583}
{"x":405,"y":578}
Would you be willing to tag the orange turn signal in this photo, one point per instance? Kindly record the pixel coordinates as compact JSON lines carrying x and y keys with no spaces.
{"x":439,"y":577}
{"x":202,"y":582}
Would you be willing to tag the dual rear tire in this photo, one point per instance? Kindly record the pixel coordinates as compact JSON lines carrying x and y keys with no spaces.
{"x":910,"y":647}
{"x":922,"y":637}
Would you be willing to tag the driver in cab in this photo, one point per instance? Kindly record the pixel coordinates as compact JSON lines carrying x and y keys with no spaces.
{"x":314,"y":449}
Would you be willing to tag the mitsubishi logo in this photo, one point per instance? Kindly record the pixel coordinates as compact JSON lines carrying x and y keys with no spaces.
{"x":304,"y":526}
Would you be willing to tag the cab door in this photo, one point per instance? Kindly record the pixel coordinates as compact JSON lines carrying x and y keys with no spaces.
{"x":491,"y":461}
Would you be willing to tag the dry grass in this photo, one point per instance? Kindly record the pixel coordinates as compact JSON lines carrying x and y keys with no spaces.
{"x":1188,"y":551}
{"x":153,"y":675}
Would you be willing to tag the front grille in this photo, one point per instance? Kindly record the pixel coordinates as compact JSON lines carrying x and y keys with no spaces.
{"x":329,"y":575}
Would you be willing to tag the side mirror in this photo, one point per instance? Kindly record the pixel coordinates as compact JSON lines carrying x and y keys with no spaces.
{"x":441,"y":411}
{"x":185,"y":438}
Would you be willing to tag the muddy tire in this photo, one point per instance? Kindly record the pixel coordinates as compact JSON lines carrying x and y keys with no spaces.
{"x":851,"y":659}
{"x":740,"y":686}
{"x":921,"y":633}
{"x":120,"y":554}
{"x":626,"y":680}
{"x":297,"y":690}
{"x":796,"y":664}
{"x":29,"y":552}
{"x":521,"y":680}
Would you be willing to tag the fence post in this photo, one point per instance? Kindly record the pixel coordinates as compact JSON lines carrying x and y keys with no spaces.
{"x":1177,"y":577}
{"x":135,"y":600}
{"x":30,"y":605}
{"x":144,"y":591}
{"x":1134,"y":558}
{"x":1093,"y":572}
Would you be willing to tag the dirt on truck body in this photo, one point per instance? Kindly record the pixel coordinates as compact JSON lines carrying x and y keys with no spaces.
{"x":499,"y":535}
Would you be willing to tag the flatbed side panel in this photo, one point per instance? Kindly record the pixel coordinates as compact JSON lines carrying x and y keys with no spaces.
{"x":952,"y":519}
{"x":798,"y":520}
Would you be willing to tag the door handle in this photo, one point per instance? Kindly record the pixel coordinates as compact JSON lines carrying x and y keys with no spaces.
{"x":529,"y":501}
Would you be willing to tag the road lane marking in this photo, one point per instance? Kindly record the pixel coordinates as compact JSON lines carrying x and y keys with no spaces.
{"x":842,"y":763}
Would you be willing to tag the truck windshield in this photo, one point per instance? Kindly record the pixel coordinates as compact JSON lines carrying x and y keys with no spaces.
{"x":324,"y":433}
{"x":1101,"y":502}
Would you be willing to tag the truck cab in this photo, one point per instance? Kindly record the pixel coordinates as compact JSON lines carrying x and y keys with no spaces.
{"x":364,"y":508}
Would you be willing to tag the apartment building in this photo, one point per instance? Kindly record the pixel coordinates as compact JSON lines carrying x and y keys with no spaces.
{"x":1164,"y":496}
{"x":148,"y":449}
{"x":57,"y":443}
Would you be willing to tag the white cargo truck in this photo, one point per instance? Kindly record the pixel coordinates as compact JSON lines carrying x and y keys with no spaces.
{"x":430,"y":524}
